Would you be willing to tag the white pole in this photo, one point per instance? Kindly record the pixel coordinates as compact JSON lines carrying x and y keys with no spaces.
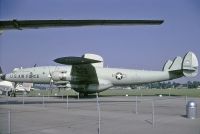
{"x":23,"y":98}
{"x":9,"y":122}
{"x":43,"y":100}
{"x":48,"y":93}
{"x":78,"y":96}
{"x":67,"y":102}
{"x":8,"y":99}
{"x":186,"y":100}
{"x":99,"y":114}
{"x":169,"y":92}
{"x":136,"y":105}
{"x":153,"y":112}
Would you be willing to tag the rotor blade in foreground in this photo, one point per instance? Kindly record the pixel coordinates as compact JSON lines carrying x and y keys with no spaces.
{"x":31,"y":24}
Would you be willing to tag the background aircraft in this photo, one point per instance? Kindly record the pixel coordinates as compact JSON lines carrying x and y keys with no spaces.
{"x":10,"y":88}
{"x":87,"y":74}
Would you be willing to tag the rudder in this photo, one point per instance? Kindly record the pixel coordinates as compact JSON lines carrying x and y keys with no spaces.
{"x":190,"y":65}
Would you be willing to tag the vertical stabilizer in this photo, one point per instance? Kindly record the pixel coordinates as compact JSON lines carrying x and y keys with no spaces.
{"x":167,"y":65}
{"x":190,"y":65}
{"x":177,"y":64}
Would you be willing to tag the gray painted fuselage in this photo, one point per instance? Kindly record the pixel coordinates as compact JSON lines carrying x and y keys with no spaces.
{"x":128,"y":76}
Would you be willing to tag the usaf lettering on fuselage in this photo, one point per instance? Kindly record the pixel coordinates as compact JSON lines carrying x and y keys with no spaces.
{"x":30,"y":75}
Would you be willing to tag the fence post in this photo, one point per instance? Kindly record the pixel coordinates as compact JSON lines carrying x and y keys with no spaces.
{"x":9,"y":122}
{"x":136,"y":105}
{"x":43,"y":100}
{"x":23,"y":98}
{"x":67,"y":102}
{"x":153,"y":112}
{"x":99,"y":114}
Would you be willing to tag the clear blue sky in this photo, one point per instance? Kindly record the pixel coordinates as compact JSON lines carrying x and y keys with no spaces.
{"x":140,"y":47}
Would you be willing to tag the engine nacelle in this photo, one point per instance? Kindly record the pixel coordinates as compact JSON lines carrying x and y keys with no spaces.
{"x":60,"y":76}
{"x":91,"y":88}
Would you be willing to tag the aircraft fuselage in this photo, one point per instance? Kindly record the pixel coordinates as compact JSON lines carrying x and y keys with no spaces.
{"x":105,"y":77}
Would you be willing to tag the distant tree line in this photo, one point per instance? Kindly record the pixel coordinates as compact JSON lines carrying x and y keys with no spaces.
{"x":165,"y":85}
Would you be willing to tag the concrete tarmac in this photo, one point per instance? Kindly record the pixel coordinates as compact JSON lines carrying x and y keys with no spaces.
{"x":118,"y":115}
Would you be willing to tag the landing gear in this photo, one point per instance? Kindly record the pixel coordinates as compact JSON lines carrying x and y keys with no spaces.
{"x":83,"y":94}
{"x":11,"y":94}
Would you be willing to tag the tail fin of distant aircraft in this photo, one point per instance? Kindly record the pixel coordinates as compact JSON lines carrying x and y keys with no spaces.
{"x":1,"y":72}
{"x":188,"y":66}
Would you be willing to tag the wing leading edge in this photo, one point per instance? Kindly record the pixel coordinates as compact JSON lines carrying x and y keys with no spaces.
{"x":32,"y":24}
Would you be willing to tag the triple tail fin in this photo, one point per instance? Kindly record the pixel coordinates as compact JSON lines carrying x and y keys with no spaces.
{"x":188,"y":66}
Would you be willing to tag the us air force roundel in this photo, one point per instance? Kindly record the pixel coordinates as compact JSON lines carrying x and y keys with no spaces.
{"x":118,"y":76}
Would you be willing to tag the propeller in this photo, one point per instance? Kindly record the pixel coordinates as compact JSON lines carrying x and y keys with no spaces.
{"x":51,"y":81}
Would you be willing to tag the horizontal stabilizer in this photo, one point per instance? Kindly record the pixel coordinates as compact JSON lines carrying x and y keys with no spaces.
{"x":190,"y":65}
{"x":75,"y":60}
{"x":167,"y":65}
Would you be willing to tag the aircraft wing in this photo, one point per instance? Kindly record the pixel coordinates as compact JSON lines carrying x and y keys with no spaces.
{"x":82,"y":71}
{"x":33,"y":24}
{"x":84,"y":74}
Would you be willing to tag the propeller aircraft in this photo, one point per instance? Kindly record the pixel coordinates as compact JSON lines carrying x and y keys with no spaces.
{"x":87,"y":74}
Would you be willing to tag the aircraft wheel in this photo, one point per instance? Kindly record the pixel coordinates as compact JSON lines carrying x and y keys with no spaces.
{"x":8,"y":93}
{"x":13,"y":94}
{"x":85,"y":94}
